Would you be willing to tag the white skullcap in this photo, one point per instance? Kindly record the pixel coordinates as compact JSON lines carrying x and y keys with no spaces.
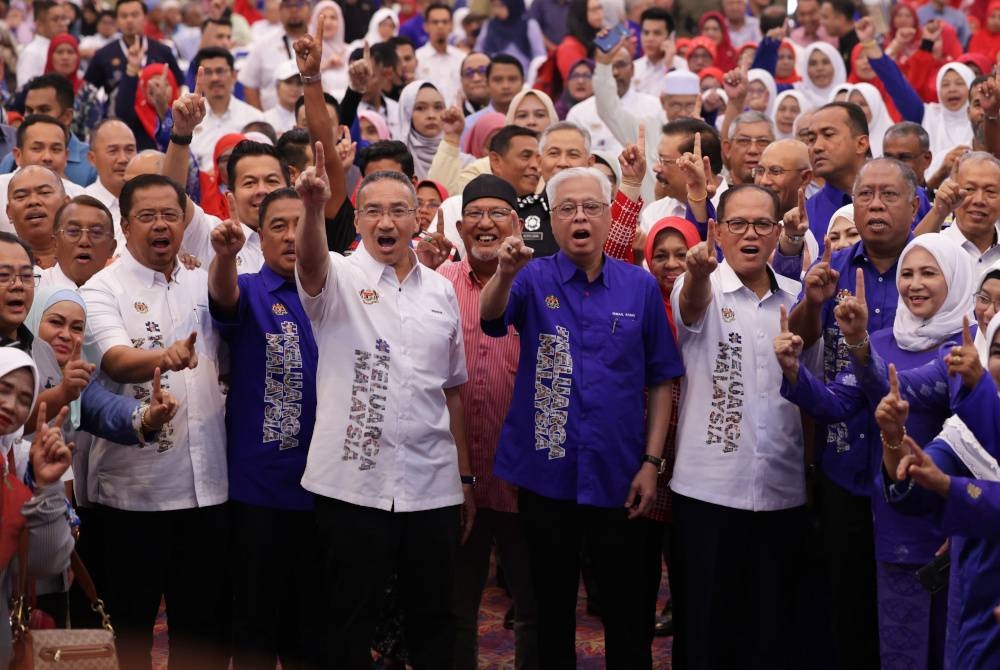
{"x":681,"y":82}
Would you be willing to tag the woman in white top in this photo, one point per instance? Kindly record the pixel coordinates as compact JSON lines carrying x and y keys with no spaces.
{"x":946,"y":121}
{"x":334,"y":60}
{"x":868,"y":98}
{"x":822,"y":69}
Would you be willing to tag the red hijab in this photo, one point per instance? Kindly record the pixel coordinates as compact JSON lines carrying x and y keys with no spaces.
{"x":711,"y":71}
{"x":983,"y":41}
{"x":212,"y":199}
{"x":706,"y":43}
{"x":57,"y":41}
{"x":787,"y":46}
{"x":984,"y":64}
{"x":691,"y":238}
{"x":725,"y":57}
{"x":144,"y":109}
{"x":853,"y":78}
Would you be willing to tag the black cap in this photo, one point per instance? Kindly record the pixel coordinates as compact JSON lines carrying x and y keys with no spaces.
{"x":489,"y":186}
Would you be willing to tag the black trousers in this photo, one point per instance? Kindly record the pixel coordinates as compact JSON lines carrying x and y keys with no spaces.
{"x":621,"y":553}
{"x":737,"y":573}
{"x":277,"y":582}
{"x":362,"y":548}
{"x":849,"y":544}
{"x":179,"y":556}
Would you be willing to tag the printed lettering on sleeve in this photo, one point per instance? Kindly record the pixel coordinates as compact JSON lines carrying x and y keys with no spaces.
{"x":283,"y":387}
{"x":368,"y":399}
{"x":553,"y":380}
{"x":726,"y":415}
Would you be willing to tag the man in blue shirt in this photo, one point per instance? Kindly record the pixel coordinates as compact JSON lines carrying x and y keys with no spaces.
{"x":841,"y":148}
{"x":270,"y":410}
{"x":594,"y":336}
{"x":842,"y":456}
{"x":52,"y":94}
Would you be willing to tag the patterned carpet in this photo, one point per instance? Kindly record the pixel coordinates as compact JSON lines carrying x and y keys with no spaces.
{"x":496,"y":644}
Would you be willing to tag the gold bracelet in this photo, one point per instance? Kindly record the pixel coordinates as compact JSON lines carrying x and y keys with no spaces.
{"x":869,"y":44}
{"x":888,"y":445}
{"x":701,"y":199}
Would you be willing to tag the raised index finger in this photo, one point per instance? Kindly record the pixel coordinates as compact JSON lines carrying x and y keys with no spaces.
{"x":368,"y":51}
{"x":319,"y":158}
{"x":827,"y":250}
{"x":966,"y":333}
{"x":440,"y":222}
{"x":784,"y":319}
{"x":710,"y":239}
{"x":859,"y":285}
{"x":157,"y":394}
{"x":320,"y":25}
{"x":697,"y":145}
{"x":43,"y":422}
{"x":893,"y":381}
{"x":641,"y":142}
{"x":192,"y":338}
{"x":199,"y":81}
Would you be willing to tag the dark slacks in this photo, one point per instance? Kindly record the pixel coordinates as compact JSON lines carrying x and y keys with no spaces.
{"x":849,"y":544}
{"x":277,"y":588}
{"x":179,"y":556}
{"x":737,"y":573}
{"x":362,"y":548}
{"x":621,"y":552}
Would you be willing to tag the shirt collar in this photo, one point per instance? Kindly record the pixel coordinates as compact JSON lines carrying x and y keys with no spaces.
{"x":859,"y":256}
{"x":272,"y":280}
{"x":148,"y":276}
{"x":373,"y":270}
{"x":730,"y":281}
{"x":568,"y":270}
{"x":834,"y":194}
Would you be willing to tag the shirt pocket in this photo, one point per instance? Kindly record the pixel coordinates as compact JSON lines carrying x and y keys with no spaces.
{"x":622,"y":341}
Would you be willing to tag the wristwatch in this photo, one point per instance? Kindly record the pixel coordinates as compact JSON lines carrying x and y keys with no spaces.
{"x":469,"y":480}
{"x":660,"y":463}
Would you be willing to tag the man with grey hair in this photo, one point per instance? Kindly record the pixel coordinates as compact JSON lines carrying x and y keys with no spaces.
{"x":585,"y":468}
{"x":388,"y":460}
{"x":749,"y":134}
{"x":977,"y":214}
{"x":909,"y":143}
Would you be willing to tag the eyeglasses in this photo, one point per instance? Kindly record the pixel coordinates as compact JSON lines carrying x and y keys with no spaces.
{"x":26,"y":278}
{"x":585,"y":75}
{"x":984,"y":301}
{"x":762,"y":227}
{"x":591,"y":209}
{"x":211,"y":72}
{"x":375,"y":213}
{"x":888,"y":196}
{"x":773,"y":170}
{"x":149,"y":216}
{"x":496,"y":214}
{"x":471,"y":72}
{"x":744,"y":142}
{"x":677,"y":107}
{"x":95,"y":233}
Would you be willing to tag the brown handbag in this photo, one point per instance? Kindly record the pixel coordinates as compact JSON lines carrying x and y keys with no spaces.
{"x":60,"y":648}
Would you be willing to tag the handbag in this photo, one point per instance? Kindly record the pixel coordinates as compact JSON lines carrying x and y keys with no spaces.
{"x":60,"y":648}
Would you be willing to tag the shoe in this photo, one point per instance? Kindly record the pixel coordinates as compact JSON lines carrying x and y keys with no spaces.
{"x":508,"y":619}
{"x":664,"y":625}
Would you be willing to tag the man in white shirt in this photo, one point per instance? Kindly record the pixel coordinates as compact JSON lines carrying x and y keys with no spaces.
{"x":742,"y":28}
{"x":34,"y":195}
{"x":112,"y":146}
{"x":257,"y":72}
{"x":288,"y":86}
{"x":739,"y":478}
{"x":225,"y":113}
{"x":84,"y":243}
{"x":656,"y":26}
{"x":584,"y":114}
{"x":41,"y":140}
{"x":159,"y":508}
{"x":51,"y":19}
{"x":977,"y":221}
{"x":437,"y":61}
{"x":388,"y":462}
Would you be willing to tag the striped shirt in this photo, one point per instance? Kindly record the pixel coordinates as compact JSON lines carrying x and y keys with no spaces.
{"x":491,"y":364}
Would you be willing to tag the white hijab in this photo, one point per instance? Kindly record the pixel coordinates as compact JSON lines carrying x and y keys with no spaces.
{"x":421,"y":147}
{"x":803,"y":104}
{"x":12,"y":359}
{"x":915,"y":334}
{"x":378,"y":17}
{"x":818,"y":96}
{"x":845,"y":212}
{"x":982,"y":344}
{"x":765,"y":77}
{"x":880,"y":121}
{"x":947,"y":129}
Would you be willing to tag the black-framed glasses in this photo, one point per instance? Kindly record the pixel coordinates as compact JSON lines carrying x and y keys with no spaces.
{"x":762,"y":227}
{"x":149,"y":216}
{"x":26,"y":278}
{"x":888,"y":196}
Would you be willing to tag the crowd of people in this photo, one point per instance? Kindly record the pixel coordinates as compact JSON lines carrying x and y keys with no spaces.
{"x":311,"y":312}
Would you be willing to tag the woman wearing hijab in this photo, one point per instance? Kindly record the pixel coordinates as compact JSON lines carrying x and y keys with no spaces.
{"x":333,"y":65}
{"x":935,"y":287}
{"x":863,"y":73}
{"x":420,"y":110}
{"x":510,"y":30}
{"x":64,"y":59}
{"x":532,"y":109}
{"x":701,"y":54}
{"x":41,"y":508}
{"x":986,"y":40}
{"x":868,"y":98}
{"x":383,"y":25}
{"x":788,"y":105}
{"x":214,"y":184}
{"x":140,"y":111}
{"x":986,"y":300}
{"x":476,"y":142}
{"x":762,"y":93}
{"x":822,"y":70}
{"x":842,"y":233}
{"x":713,"y":26}
{"x":947,"y":121}
{"x":920,"y":61}
{"x":578,"y":88}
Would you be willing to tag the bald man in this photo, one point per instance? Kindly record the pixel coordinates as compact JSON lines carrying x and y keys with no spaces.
{"x":34,"y":195}
{"x":784,"y":168}
{"x":112,"y":147}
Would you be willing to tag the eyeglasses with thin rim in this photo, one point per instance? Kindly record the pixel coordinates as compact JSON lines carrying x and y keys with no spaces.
{"x":984,"y":300}
{"x":744,"y":142}
{"x":762,"y":227}
{"x":586,"y":75}
{"x":496,"y":214}
{"x":567,"y":210}
{"x":775,"y":171}
{"x":95,"y":233}
{"x":888,"y":196}
{"x":26,"y":278}
{"x":397,"y":213}
{"x":471,"y":72}
{"x":148,"y":216}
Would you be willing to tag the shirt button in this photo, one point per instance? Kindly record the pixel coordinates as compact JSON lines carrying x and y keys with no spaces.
{"x":861,"y":435}
{"x":878,"y":310}
{"x":881,"y":279}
